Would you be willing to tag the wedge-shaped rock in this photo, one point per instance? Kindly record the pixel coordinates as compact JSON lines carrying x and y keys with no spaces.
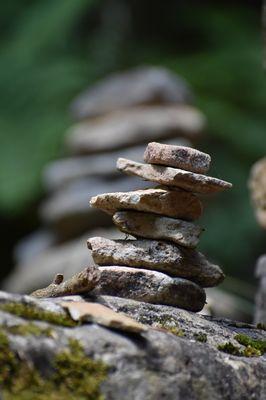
{"x":156,"y":255}
{"x":176,"y":203}
{"x":173,"y":177}
{"x":181,"y":157}
{"x":150,"y":287}
{"x":152,"y":226}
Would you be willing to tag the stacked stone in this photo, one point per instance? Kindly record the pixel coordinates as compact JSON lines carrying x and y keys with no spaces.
{"x":161,"y":265}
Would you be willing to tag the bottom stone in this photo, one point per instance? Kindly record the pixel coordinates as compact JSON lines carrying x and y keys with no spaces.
{"x":150,"y":287}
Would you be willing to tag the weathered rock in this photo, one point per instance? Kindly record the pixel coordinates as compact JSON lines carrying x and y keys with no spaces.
{"x":152,"y":226}
{"x":67,"y":211}
{"x":61,"y":172}
{"x":181,"y":157}
{"x":257,"y":186}
{"x":150,"y":287}
{"x":173,"y":177}
{"x":158,"y":364}
{"x":156,"y":255}
{"x":142,"y":85}
{"x":176,"y":204}
{"x":260,"y":300}
{"x":135,"y":126}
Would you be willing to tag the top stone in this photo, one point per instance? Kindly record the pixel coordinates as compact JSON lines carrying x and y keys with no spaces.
{"x":181,"y":157}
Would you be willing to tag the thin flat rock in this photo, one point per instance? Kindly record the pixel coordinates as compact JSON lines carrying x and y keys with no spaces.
{"x":156,"y":255}
{"x":150,"y":287}
{"x":173,"y":177}
{"x":152,"y":226}
{"x":176,"y":203}
{"x":181,"y":157}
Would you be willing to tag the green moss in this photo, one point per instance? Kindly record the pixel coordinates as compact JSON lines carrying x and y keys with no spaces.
{"x":200,"y":337}
{"x":253,"y":347}
{"x":169,"y":324}
{"x":176,"y":331}
{"x":256,"y":344}
{"x":29,"y":329}
{"x":75,"y":375}
{"x":33,"y":313}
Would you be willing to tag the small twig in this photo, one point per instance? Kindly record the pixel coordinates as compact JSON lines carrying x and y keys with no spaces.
{"x":82,"y":282}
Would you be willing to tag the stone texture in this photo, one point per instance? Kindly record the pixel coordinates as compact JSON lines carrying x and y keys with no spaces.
{"x":150,"y":287}
{"x":152,"y":226}
{"x":181,"y":157}
{"x":257,"y":186}
{"x":156,"y":255}
{"x":135,"y":126}
{"x":157,"y":364}
{"x":176,"y":204}
{"x":142,"y":85}
{"x":67,"y":212}
{"x":61,"y":172}
{"x":173,"y":177}
{"x":260,"y":300}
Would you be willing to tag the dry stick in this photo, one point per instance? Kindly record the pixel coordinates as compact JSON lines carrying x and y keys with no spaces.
{"x":82,"y":282}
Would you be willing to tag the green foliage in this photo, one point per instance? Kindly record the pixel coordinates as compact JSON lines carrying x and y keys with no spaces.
{"x":252,"y":347}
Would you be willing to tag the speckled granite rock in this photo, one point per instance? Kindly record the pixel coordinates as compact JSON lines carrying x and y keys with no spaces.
{"x":173,"y":177}
{"x":181,"y":157}
{"x":153,"y":226}
{"x":176,"y":204}
{"x":170,"y":361}
{"x":156,"y":255}
{"x":150,"y":287}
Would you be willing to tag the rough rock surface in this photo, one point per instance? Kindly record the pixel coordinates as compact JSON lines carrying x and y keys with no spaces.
{"x":122,"y":129}
{"x":257,"y":186}
{"x":152,"y":226}
{"x":176,"y":204}
{"x":156,"y":255}
{"x":173,"y":177}
{"x":150,"y":287}
{"x":158,"y":364}
{"x":260,"y":310}
{"x":181,"y":157}
{"x":142,"y":85}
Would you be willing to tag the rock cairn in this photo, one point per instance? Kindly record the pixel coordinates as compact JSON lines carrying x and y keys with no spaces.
{"x":162,"y":264}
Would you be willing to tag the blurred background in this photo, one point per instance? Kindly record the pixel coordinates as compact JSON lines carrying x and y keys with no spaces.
{"x":54,"y":50}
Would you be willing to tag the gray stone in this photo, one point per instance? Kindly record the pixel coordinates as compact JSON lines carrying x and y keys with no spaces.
{"x":135,"y":126}
{"x":181,"y":157}
{"x":260,"y":299}
{"x":176,"y":204}
{"x":156,"y":255}
{"x":67,"y":211}
{"x":142,"y":85}
{"x":157,"y":364}
{"x":61,"y":172}
{"x":173,"y":177}
{"x":150,"y":287}
{"x":152,"y":226}
{"x":257,"y":186}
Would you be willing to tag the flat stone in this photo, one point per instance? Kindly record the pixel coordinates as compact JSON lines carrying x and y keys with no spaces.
{"x":142,"y":85}
{"x":152,"y":226}
{"x":133,"y":127}
{"x":176,"y":203}
{"x":173,"y":177}
{"x":150,"y":287}
{"x":60,"y":173}
{"x":156,"y":255}
{"x":181,"y":157}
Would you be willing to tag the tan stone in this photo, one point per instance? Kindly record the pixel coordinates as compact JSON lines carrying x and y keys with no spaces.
{"x":150,"y":287}
{"x":156,"y":255}
{"x":181,"y":157}
{"x":173,"y":177}
{"x":176,"y":204}
{"x":152,"y":226}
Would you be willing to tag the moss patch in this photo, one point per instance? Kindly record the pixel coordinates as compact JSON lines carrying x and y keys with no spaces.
{"x":29,"y":329}
{"x":169,"y":324}
{"x":75,"y":376}
{"x":253,"y":347}
{"x":200,"y":337}
{"x":261,"y":326}
{"x":33,"y":313}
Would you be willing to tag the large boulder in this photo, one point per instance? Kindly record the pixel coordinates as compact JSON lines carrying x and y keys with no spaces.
{"x":177,"y":355}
